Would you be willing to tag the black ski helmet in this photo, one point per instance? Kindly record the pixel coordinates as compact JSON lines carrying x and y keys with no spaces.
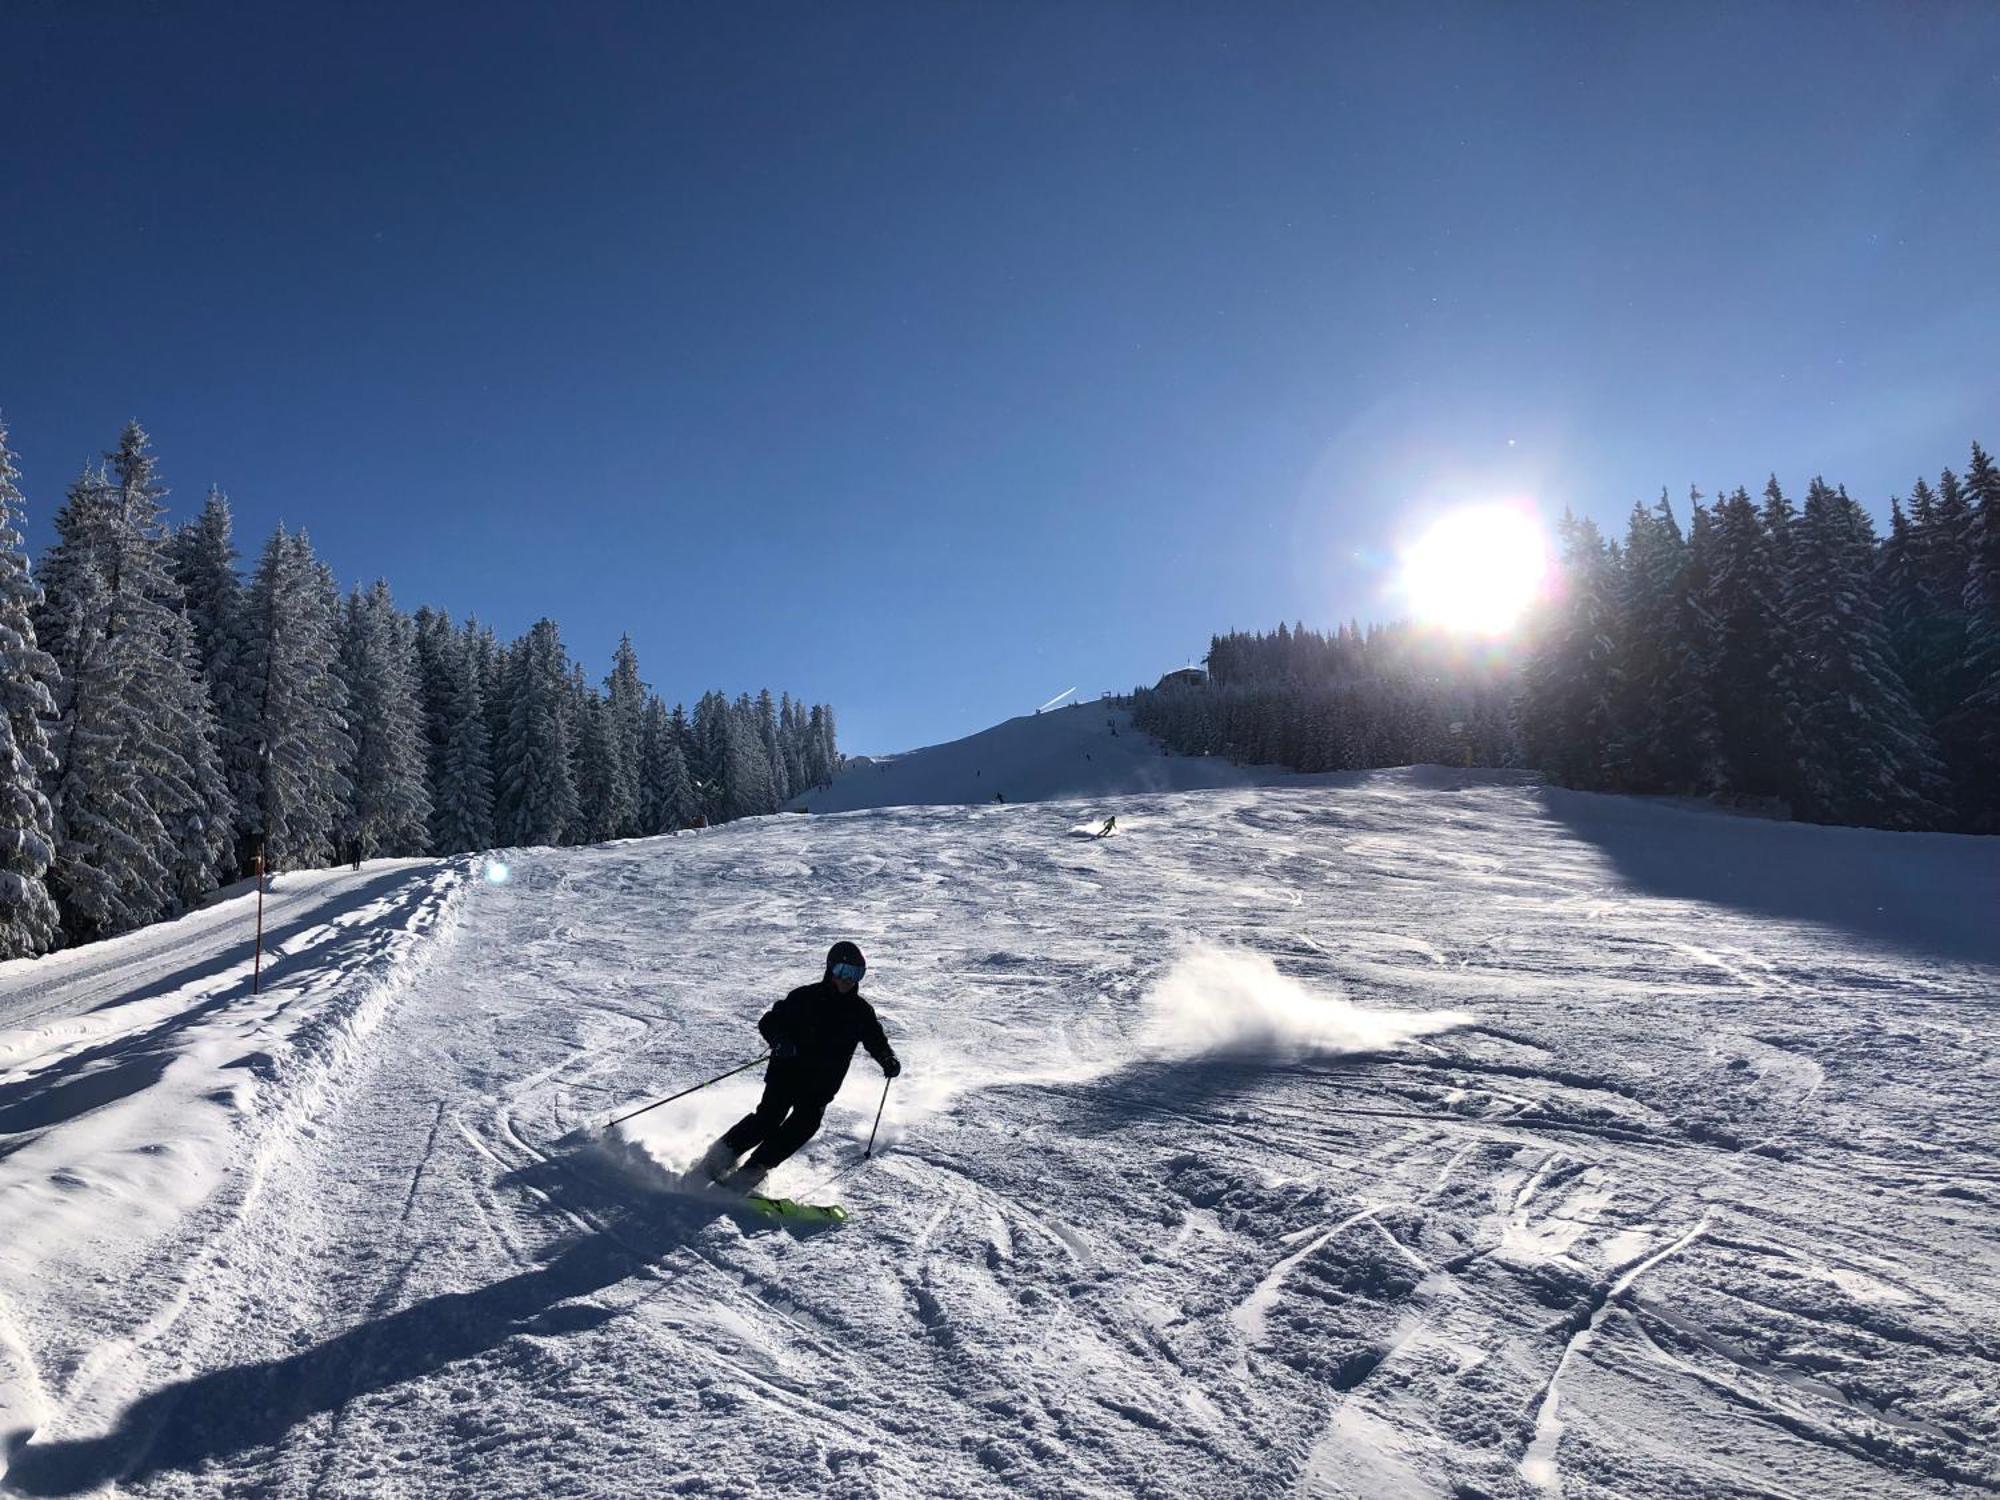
{"x":844,"y":952}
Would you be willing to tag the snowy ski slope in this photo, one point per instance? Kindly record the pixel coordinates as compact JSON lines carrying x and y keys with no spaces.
{"x":1084,"y":750}
{"x":1415,"y":1134}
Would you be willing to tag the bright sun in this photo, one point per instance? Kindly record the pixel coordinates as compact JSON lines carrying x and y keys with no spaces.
{"x":1476,"y":570}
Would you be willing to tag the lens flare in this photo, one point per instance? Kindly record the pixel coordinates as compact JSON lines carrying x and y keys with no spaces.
{"x":496,"y":872}
{"x":1477,"y":569}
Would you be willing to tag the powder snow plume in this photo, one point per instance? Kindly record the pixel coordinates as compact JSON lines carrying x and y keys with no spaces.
{"x":631,"y":1159}
{"x":1220,"y":1002}
{"x":658,"y":1148}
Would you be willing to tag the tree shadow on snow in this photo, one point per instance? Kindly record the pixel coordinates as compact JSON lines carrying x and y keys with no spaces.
{"x":1931,"y":894}
{"x":93,"y":1077}
{"x":184,"y":1425}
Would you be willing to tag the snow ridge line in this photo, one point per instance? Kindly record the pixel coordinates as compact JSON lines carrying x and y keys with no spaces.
{"x":319,"y":1054}
{"x":323,"y":1046}
{"x":327,"y":1045}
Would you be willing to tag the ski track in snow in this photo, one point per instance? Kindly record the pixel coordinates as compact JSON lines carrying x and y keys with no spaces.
{"x":1698,"y":1198}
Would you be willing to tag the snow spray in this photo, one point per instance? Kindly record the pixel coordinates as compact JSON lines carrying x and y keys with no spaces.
{"x":1224,"y":1002}
{"x":634,"y":1160}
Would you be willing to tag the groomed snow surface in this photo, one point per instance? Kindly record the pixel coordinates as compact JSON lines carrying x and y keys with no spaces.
{"x":1414,"y":1134}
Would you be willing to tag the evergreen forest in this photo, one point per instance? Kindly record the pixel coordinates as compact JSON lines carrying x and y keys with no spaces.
{"x":166,"y":721}
{"x":1766,"y":652}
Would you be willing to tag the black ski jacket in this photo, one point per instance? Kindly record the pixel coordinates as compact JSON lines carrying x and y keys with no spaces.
{"x":823,"y":1025}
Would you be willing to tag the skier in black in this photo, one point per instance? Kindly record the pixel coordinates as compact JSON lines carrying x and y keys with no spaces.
{"x":812,"y":1032}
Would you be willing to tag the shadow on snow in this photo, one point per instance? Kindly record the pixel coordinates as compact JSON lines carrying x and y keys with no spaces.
{"x":184,"y":1425}
{"x":1932,"y":895}
{"x":101,"y":1075}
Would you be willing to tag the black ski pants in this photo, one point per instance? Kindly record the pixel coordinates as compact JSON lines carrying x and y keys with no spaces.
{"x":784,"y":1120}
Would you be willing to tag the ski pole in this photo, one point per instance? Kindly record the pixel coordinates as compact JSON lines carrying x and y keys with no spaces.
{"x":685,"y":1092}
{"x":878,"y":1120}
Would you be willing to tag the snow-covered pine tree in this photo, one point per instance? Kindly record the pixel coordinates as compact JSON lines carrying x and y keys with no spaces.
{"x":625,"y":712}
{"x":69,"y":619}
{"x":653,"y":733}
{"x":536,"y":801}
{"x":29,"y":921}
{"x":1643,"y":651}
{"x":791,"y":734}
{"x":670,"y":798}
{"x":462,"y":817}
{"x":1924,"y":537}
{"x":1899,"y":586}
{"x":806,"y":741}
{"x":1924,"y":603}
{"x":1779,"y":516}
{"x":129,"y":792}
{"x":1862,"y":755}
{"x":1980,"y":594}
{"x":440,"y":660}
{"x":204,"y":560}
{"x":708,"y":754}
{"x":746,"y":770}
{"x":106,"y":875}
{"x":1565,"y":709}
{"x":497,"y":663}
{"x":483,"y":652}
{"x":774,"y":754}
{"x":1954,"y":531}
{"x":298,"y":774}
{"x":1692,"y":755}
{"x":201,"y":825}
{"x":180,"y":770}
{"x":598,"y":773}
{"x":1970,"y":729}
{"x":680,"y":799}
{"x":389,"y":804}
{"x":1752,"y":686}
{"x":1697,"y":633}
{"x":823,"y":754}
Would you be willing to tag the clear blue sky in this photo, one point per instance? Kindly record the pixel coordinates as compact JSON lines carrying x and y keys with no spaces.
{"x":931,"y":359}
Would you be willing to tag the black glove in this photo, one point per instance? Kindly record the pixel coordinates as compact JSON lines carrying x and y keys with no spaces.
{"x":891,"y":1066}
{"x":784,"y":1049}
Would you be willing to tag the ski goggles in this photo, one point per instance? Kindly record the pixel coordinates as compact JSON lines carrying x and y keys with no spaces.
{"x":850,"y":971}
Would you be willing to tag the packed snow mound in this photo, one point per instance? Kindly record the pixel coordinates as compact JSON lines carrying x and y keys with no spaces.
{"x":1088,"y":750}
{"x":1216,"y":1002}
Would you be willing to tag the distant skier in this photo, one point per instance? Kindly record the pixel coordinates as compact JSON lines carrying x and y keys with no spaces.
{"x":812,"y":1032}
{"x":1110,"y":827}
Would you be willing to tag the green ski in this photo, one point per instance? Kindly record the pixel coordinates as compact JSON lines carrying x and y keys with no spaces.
{"x":791,"y":1208}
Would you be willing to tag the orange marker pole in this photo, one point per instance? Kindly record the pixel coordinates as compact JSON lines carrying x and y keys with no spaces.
{"x":257,"y":961}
